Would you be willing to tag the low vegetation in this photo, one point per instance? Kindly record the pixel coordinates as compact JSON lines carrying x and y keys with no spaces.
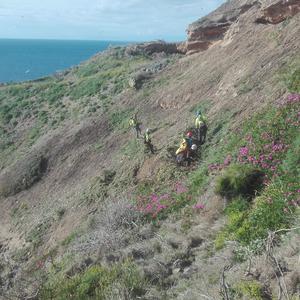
{"x":46,"y":104}
{"x":121,"y":281}
{"x":255,"y":170}
{"x":239,"y":180}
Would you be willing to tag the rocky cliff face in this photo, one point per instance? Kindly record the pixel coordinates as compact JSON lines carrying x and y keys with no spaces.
{"x":212,"y":28}
{"x":206,"y":31}
{"x":279,"y":11}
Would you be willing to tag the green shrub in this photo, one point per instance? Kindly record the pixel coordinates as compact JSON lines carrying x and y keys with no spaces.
{"x":270,"y":212}
{"x":250,"y":289}
{"x":55,"y":92}
{"x":199,"y":179}
{"x":220,"y":240}
{"x":248,"y":223}
{"x":120,"y":119}
{"x":239,"y":180}
{"x":238,"y":204}
{"x":235,"y":221}
{"x":89,"y":86}
{"x":291,"y":163}
{"x":97,"y":282}
{"x":292,"y":80}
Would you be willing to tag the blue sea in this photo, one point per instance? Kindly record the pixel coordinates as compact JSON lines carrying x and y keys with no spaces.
{"x":22,"y":60}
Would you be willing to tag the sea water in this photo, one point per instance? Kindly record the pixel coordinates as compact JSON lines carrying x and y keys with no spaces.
{"x":22,"y":60}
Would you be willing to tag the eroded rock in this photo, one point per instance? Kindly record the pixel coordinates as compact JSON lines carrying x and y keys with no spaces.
{"x":150,"y":48}
{"x":279,"y":12}
{"x":212,"y":28}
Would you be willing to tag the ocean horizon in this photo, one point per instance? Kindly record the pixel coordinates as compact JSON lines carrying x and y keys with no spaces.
{"x":32,"y":59}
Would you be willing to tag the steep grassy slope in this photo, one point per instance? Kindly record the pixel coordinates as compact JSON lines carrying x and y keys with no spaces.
{"x":85,"y":212}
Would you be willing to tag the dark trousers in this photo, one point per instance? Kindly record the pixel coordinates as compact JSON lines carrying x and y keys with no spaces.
{"x":150,"y":147}
{"x":137,"y":130}
{"x":201,"y":132}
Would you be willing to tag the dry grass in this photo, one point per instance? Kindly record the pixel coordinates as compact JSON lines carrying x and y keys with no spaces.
{"x":111,"y":228}
{"x":23,"y":174}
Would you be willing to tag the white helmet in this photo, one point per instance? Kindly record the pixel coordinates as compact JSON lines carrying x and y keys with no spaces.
{"x":147,"y":130}
{"x":194,"y":147}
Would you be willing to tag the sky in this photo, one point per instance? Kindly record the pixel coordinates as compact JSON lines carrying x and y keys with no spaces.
{"x":121,"y":20}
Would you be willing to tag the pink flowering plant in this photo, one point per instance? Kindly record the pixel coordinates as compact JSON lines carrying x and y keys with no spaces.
{"x":269,"y":142}
{"x":159,"y":205}
{"x":266,"y":138}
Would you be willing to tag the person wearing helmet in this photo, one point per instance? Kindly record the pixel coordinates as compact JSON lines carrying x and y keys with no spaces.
{"x":189,"y":135}
{"x":147,"y":141}
{"x":201,"y":127}
{"x":135,"y":125}
{"x":181,"y":152}
{"x":189,"y":142}
{"x":189,"y":139}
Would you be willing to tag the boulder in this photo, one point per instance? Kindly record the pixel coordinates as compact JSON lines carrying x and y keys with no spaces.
{"x":150,"y":48}
{"x":137,"y":80}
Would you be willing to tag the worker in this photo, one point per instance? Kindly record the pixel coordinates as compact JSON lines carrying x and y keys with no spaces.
{"x":147,"y":141}
{"x":189,"y":138}
{"x":189,"y":141}
{"x":193,"y":152}
{"x":181,"y":152}
{"x":134,"y":123}
{"x":201,"y":127}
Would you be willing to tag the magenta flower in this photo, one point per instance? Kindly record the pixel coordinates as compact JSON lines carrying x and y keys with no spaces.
{"x":250,"y":158}
{"x":154,"y":198}
{"x":262,"y":157}
{"x":160,"y":207}
{"x":164,"y":197}
{"x":180,"y":188}
{"x":148,"y":208}
{"x":244,"y":151}
{"x":199,"y":206}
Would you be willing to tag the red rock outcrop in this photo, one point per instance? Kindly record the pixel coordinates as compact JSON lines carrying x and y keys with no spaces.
{"x":279,"y":11}
{"x":212,"y":28}
{"x":206,"y":31}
